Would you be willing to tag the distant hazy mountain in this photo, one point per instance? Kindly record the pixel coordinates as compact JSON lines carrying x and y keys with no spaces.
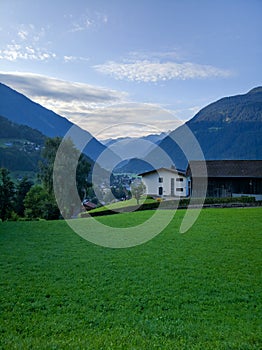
{"x":20,"y":109}
{"x":229,"y":128}
{"x":133,"y":166}
{"x":134,"y":147}
{"x":154,"y":138}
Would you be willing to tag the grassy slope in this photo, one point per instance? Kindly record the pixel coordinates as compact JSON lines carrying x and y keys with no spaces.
{"x":123,"y":204}
{"x":199,"y":290}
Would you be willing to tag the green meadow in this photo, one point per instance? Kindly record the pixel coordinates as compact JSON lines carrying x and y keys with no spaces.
{"x":198,"y":290}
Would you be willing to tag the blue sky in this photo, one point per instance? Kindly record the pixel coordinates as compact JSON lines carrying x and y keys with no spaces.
{"x":120,"y":68}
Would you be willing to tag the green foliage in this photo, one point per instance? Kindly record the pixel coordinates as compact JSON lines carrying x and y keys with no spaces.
{"x":7,"y":191}
{"x":199,"y":290}
{"x":82,"y":171}
{"x":40,"y":204}
{"x":22,"y":188}
{"x":71,"y":171}
{"x":47,"y":163}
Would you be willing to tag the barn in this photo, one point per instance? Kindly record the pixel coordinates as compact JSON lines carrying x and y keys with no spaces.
{"x":227,"y":178}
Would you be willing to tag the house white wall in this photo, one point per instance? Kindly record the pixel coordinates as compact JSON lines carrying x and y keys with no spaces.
{"x":173,"y":183}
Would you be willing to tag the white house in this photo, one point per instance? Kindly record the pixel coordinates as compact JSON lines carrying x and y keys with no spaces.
{"x":165,"y":182}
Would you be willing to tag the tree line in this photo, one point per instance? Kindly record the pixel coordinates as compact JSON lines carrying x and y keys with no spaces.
{"x":29,"y":200}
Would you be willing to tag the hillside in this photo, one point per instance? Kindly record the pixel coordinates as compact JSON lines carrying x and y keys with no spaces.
{"x":229,"y":128}
{"x":20,"y":146}
{"x":20,"y":109}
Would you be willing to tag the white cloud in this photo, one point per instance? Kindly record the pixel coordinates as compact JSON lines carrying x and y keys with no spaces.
{"x":26,"y":46}
{"x":30,"y":44}
{"x":43,"y":87}
{"x":154,"y":71}
{"x":125,"y":119}
{"x":22,"y":34}
{"x":104,"y":112}
{"x":83,"y":24}
{"x":140,"y":55}
{"x":14,"y":52}
{"x":75,"y":59}
{"x":87,"y":21}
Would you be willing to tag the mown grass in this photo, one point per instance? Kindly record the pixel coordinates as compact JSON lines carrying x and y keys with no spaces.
{"x":123,"y":204}
{"x":199,"y":290}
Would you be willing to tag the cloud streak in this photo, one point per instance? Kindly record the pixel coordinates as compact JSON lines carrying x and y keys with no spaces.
{"x":104,"y":112}
{"x":155,"y":71}
{"x":43,"y":87}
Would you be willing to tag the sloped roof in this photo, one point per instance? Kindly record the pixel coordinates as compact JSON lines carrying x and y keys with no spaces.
{"x":89,"y":205}
{"x":171,"y":170}
{"x":227,"y":168}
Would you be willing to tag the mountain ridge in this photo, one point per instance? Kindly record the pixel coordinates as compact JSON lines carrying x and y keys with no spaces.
{"x":229,"y":128}
{"x":232,"y":108}
{"x":18,"y":108}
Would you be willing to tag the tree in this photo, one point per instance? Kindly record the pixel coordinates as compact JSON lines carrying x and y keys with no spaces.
{"x":47,"y":163}
{"x":71,"y":172}
{"x":69,"y":155}
{"x":82,"y":171}
{"x":137,"y":190}
{"x":7,"y":191}
{"x":21,"y":190}
{"x":40,"y":204}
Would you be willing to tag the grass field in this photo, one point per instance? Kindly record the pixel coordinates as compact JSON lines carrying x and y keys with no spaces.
{"x":123,"y":204}
{"x":199,"y":290}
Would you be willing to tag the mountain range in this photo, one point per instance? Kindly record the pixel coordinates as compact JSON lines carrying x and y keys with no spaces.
{"x":128,"y":147}
{"x":21,"y":110}
{"x":229,"y":128}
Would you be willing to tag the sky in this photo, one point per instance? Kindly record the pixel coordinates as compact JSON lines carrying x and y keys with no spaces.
{"x":129,"y":68}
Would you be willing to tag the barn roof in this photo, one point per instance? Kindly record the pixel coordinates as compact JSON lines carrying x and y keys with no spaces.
{"x":226,"y":168}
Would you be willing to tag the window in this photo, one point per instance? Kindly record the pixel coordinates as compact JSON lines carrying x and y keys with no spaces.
{"x":160,"y":191}
{"x":179,"y":189}
{"x":180,"y":179}
{"x":160,"y":180}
